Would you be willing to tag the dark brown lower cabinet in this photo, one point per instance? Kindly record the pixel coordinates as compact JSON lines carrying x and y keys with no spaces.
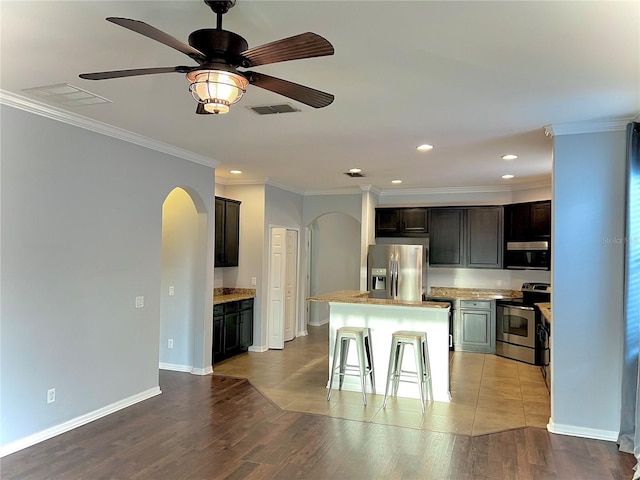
{"x":232,"y":328}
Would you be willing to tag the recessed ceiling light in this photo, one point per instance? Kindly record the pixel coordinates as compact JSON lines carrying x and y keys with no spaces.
{"x":355,"y":170}
{"x":424,"y":147}
{"x":396,"y":181}
{"x":510,"y":156}
{"x":235,"y":172}
{"x":507,"y":177}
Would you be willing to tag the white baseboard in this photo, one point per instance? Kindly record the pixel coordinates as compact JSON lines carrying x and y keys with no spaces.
{"x":202,"y":371}
{"x":302,"y":333}
{"x":186,"y":368}
{"x":320,"y":323}
{"x":77,"y":422}
{"x":258,"y":348}
{"x":573,"y":431}
{"x":174,"y":367}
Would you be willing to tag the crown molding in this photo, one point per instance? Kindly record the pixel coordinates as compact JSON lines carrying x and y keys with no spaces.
{"x":284,"y":187}
{"x":395,"y":192}
{"x":225,"y":182}
{"x":466,"y":190}
{"x":577,"y":128}
{"x":57,"y":114}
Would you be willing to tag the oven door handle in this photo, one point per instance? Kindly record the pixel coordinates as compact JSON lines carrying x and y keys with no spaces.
{"x":518,"y":307}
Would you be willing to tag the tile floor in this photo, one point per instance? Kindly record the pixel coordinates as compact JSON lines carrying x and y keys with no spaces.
{"x":489,"y":393}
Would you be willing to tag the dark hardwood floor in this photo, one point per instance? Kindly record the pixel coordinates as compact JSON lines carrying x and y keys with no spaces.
{"x":204,"y":427}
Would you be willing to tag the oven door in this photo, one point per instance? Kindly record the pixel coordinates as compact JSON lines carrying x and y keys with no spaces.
{"x":516,"y":324}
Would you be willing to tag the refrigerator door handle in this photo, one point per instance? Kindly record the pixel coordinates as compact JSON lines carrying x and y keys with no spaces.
{"x":394,"y":278}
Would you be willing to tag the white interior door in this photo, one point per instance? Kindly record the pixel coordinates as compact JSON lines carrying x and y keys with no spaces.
{"x":277,"y":278}
{"x":291,"y":285}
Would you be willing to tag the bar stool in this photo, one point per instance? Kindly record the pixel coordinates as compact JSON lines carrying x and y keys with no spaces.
{"x":423,"y":373}
{"x":362,"y":337}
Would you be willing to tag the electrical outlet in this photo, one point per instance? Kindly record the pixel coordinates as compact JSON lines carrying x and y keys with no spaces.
{"x":456,"y":281}
{"x":172,"y":290}
{"x":498,"y":283}
{"x":254,"y":281}
{"x":51,"y":395}
{"x":170,"y":343}
{"x":139,"y":302}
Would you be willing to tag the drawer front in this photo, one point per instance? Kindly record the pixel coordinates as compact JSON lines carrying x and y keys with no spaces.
{"x":246,"y":304}
{"x":479,"y":304}
{"x":218,"y":309}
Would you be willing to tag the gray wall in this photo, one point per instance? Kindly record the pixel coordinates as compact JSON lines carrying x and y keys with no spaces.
{"x":588,"y":267}
{"x":252,"y":244}
{"x":81,"y":238}
{"x":334,"y":266}
{"x":283,"y":209}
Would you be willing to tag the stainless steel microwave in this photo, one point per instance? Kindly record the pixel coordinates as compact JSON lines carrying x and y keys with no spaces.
{"x":527,"y":256}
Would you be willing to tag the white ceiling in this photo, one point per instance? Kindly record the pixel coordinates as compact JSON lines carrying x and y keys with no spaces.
{"x":475,"y":79}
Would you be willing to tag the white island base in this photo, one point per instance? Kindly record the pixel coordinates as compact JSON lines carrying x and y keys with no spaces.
{"x":383,"y":320}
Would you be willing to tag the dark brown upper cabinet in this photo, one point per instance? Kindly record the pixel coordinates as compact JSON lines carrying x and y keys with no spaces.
{"x":402,"y":222}
{"x":528,"y":221}
{"x":227,"y":232}
{"x":447,"y":237}
{"x":468,"y":237}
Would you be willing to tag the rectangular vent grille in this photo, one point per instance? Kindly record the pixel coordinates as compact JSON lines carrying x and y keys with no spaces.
{"x":354,"y":175}
{"x":271,"y":109}
{"x":66,"y":94}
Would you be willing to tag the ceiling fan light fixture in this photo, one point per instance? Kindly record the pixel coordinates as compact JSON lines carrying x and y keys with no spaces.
{"x":216,"y":89}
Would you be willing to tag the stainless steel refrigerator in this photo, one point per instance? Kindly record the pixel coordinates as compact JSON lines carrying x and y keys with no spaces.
{"x":396,"y":271}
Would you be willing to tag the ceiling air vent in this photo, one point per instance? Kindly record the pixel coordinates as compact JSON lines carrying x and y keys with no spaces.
{"x":354,"y":174}
{"x":66,"y":94}
{"x":271,"y":109}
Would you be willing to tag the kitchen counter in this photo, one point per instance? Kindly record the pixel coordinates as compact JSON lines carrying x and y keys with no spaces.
{"x":545,"y":308}
{"x":354,"y":308}
{"x":473,"y":293}
{"x":224,"y":295}
{"x":362,"y":297}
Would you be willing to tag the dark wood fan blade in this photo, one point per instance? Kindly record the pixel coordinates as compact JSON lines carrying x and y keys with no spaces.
{"x":159,"y":36}
{"x":305,"y":45}
{"x":309,"y":96}
{"x":133,"y":73}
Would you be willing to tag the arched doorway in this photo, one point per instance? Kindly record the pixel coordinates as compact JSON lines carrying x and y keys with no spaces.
{"x":334,"y":260}
{"x":183,"y":263}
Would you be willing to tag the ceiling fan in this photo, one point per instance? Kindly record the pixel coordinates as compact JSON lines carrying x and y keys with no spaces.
{"x":216,"y":82}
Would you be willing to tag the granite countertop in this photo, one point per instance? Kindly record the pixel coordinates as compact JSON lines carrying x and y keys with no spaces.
{"x":358,"y":296}
{"x":224,"y":295}
{"x":473,"y":293}
{"x":545,"y":308}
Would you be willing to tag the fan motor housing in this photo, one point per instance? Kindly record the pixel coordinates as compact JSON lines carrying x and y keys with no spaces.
{"x":216,"y":43}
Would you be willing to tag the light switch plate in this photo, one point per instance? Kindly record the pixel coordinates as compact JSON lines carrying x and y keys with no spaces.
{"x":139,"y":302}
{"x":172,"y":290}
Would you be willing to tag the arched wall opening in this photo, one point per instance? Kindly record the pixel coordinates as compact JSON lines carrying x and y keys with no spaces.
{"x":183,"y":275}
{"x":334,"y":259}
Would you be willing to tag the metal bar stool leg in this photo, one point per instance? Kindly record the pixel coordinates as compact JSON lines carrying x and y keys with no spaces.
{"x":336,"y":352}
{"x":425,"y":354}
{"x":344,"y":354}
{"x":363,"y":369}
{"x":420,"y":374}
{"x":369,"y":351}
{"x":393,"y":360}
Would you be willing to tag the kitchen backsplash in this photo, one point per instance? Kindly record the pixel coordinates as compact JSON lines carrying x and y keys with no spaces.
{"x":485,"y":278}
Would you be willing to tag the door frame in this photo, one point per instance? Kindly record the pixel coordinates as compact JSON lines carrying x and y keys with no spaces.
{"x":300,"y":327}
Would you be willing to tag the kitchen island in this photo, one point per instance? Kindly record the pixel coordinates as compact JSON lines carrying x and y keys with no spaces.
{"x":355,"y":309}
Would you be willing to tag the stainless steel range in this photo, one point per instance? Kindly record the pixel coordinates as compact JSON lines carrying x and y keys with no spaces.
{"x":521,"y":332}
